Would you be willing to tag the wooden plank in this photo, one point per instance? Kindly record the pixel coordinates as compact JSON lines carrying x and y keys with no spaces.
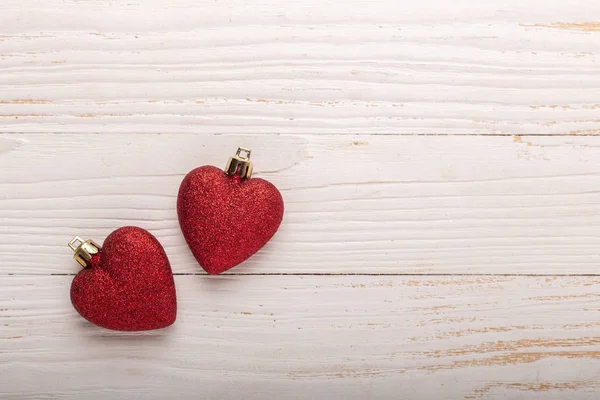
{"x":361,"y":204}
{"x":290,"y":337}
{"x":267,"y":66}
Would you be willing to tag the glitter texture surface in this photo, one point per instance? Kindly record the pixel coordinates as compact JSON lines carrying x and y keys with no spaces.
{"x":226,"y":219}
{"x":128,"y":285}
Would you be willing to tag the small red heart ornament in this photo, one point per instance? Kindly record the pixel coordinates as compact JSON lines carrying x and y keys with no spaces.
{"x":226,"y":217}
{"x":127,"y":285}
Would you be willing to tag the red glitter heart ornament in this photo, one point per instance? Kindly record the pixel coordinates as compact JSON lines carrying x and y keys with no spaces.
{"x":127,"y":285}
{"x":226,"y":216}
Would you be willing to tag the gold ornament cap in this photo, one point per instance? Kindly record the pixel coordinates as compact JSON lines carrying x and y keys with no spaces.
{"x":84,"y":250}
{"x":239,"y":165}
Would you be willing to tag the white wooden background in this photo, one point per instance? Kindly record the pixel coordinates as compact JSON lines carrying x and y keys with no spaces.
{"x":439,"y":161}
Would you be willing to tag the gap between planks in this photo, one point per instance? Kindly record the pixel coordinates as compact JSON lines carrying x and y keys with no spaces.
{"x":557,"y":135}
{"x":335,"y":274}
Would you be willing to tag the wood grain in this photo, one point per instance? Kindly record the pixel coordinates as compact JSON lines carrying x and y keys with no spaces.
{"x":415,"y":141}
{"x":354,"y":67}
{"x":359,"y":204}
{"x":320,"y":337}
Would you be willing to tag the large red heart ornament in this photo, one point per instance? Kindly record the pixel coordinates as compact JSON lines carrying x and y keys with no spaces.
{"x":225,"y":218}
{"x":128,"y":285}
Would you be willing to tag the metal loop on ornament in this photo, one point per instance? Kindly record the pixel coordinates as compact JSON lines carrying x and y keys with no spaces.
{"x":84,"y":250}
{"x":75,"y":240}
{"x":239,"y":151}
{"x":240,"y":165}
